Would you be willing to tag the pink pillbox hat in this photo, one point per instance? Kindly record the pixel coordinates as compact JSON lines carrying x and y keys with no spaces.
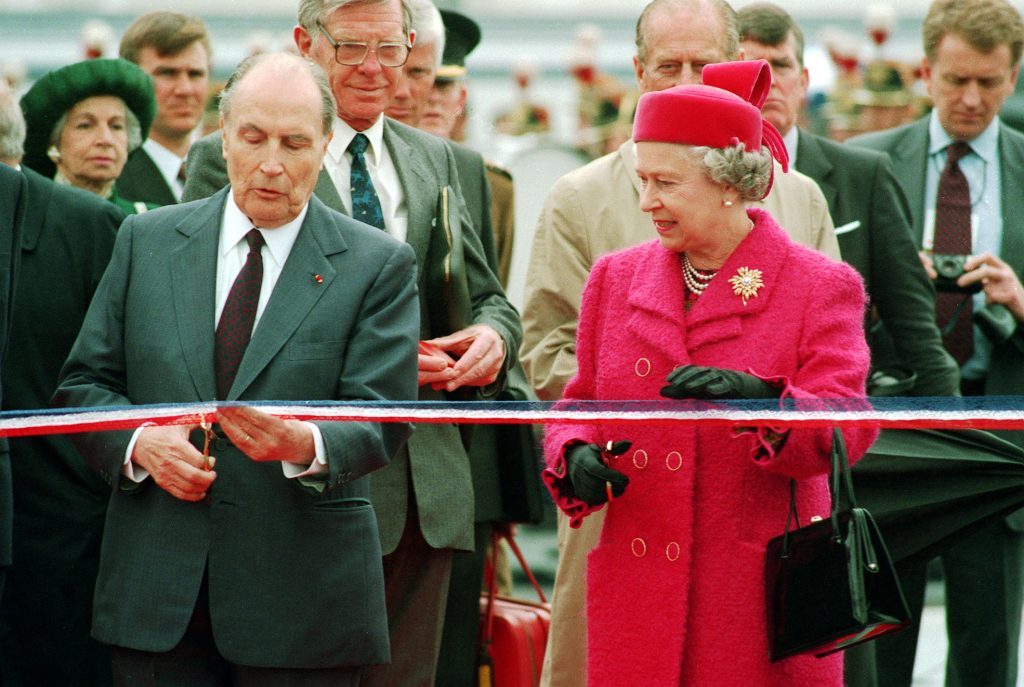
{"x":721,"y":112}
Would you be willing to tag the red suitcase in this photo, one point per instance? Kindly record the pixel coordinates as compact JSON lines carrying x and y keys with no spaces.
{"x":514,"y":632}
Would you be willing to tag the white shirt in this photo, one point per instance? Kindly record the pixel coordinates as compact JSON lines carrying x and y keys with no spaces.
{"x":232,"y":252}
{"x":792,"y":142}
{"x":168,"y":164}
{"x":382,"y":172}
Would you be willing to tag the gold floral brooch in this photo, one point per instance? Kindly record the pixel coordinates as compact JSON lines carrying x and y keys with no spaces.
{"x":745,"y":283}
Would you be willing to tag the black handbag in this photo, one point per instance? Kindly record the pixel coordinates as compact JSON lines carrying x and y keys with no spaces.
{"x":831,"y":585}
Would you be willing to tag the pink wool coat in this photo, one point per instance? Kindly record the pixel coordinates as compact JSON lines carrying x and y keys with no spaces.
{"x":675,"y":587}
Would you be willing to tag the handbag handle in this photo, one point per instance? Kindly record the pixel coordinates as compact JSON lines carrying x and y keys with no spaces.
{"x":840,"y":488}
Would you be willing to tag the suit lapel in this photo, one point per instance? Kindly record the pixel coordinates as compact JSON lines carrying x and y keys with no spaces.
{"x":193,"y":286}
{"x":420,"y":189}
{"x":627,"y":153}
{"x":296,"y":292}
{"x":1011,"y":152}
{"x":812,"y":161}
{"x":655,"y":297}
{"x":910,"y":163}
{"x":328,"y":193}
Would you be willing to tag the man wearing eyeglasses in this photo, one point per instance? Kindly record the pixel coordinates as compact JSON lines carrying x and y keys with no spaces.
{"x":393,"y":176}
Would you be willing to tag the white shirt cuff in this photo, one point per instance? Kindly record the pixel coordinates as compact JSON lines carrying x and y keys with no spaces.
{"x":128,"y":468}
{"x":319,"y":464}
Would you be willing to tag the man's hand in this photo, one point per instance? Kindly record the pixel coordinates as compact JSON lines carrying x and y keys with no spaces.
{"x":929,"y":265}
{"x":480,"y":352}
{"x":999,"y":281}
{"x":172,"y":462}
{"x":265,"y":437}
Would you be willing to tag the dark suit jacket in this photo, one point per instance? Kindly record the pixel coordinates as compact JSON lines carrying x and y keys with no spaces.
{"x":274,"y":548}
{"x":908,"y":147}
{"x":141,"y":180}
{"x":59,"y":502}
{"x":13,"y":193}
{"x":860,"y":187}
{"x":434,"y":468}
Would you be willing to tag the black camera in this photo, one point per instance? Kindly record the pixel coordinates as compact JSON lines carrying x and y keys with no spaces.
{"x":950,"y":268}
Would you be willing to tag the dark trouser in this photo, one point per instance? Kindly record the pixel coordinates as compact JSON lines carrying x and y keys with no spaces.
{"x":984,"y":585}
{"x":457,"y":665}
{"x":196,"y":662}
{"x":416,"y":588}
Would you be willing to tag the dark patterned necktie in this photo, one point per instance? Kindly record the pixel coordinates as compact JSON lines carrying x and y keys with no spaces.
{"x":953,"y":237}
{"x":238,"y":317}
{"x":365,"y":203}
{"x":182,"y":173}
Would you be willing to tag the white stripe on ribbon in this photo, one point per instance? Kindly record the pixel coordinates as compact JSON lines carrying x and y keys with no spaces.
{"x":1005,"y":413}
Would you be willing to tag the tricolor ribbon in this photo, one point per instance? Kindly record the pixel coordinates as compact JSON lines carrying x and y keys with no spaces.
{"x":987,"y":412}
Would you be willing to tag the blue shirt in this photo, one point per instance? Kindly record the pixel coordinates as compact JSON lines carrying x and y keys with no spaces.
{"x":981,"y":168}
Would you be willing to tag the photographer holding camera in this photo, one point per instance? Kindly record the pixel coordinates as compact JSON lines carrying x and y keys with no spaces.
{"x":962,"y":170}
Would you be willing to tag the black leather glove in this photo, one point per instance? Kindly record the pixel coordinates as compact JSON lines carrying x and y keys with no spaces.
{"x":695,"y":381}
{"x":589,"y":474}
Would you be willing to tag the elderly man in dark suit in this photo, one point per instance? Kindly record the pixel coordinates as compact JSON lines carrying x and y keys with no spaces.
{"x":961,"y":171}
{"x":59,"y":504}
{"x":398,"y":178}
{"x":222,"y":569}
{"x":866,"y":204}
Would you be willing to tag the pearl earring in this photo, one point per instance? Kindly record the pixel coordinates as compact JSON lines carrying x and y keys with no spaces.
{"x":727,"y":203}
{"x":53,"y":154}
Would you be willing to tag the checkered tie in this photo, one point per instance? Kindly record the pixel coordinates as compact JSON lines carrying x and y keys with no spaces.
{"x":365,"y":203}
{"x":238,"y":317}
{"x":953,"y":236}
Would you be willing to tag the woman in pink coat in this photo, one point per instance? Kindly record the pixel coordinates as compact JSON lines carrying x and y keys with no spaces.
{"x":722,"y":305}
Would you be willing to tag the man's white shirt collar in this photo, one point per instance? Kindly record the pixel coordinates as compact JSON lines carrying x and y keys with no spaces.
{"x":343,"y":135}
{"x":985,"y":145}
{"x":236,"y":225}
{"x":167,"y":163}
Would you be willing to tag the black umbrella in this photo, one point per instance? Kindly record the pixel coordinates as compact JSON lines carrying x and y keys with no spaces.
{"x":928,"y":488}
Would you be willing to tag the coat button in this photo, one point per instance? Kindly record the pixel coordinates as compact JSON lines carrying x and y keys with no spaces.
{"x":640,"y":459}
{"x":642,"y":367}
{"x":639,"y":547}
{"x":672,"y":551}
{"x":674,"y":461}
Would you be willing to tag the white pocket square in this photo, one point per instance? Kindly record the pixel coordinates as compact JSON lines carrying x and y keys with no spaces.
{"x":848,"y":227}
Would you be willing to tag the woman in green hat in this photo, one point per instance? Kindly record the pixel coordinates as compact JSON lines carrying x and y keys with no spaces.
{"x":82,"y":122}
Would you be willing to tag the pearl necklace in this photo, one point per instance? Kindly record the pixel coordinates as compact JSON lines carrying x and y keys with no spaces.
{"x":696,"y":281}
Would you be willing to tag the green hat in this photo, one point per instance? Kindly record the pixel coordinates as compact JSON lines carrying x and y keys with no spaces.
{"x":462,"y":34}
{"x":58,"y":91}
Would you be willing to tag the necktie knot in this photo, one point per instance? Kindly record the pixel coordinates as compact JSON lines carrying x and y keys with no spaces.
{"x":182,"y":172}
{"x":255,"y":240}
{"x":956,"y":151}
{"x":359,"y":144}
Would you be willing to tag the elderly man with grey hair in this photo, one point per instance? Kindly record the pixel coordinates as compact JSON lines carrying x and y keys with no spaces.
{"x":400,"y":179}
{"x":250,"y":555}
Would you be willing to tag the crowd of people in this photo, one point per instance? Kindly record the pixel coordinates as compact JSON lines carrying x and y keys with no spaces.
{"x":332,"y":240}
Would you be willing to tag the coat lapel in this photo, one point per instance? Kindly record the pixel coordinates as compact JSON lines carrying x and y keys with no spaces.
{"x":295,"y":294}
{"x":420,"y":188}
{"x":193,"y":286}
{"x":656,"y":303}
{"x":1011,"y":152}
{"x":719,"y":312}
{"x":812,"y":161}
{"x":327,"y":193}
{"x":909,"y":161}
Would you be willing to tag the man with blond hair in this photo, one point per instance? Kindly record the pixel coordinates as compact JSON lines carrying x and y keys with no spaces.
{"x":961,"y":170}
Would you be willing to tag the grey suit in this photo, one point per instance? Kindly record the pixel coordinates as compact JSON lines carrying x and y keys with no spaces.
{"x":428,"y":484}
{"x":280,"y":555}
{"x":985,"y":573}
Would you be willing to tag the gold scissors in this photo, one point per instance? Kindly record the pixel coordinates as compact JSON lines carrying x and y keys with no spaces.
{"x":207,"y":428}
